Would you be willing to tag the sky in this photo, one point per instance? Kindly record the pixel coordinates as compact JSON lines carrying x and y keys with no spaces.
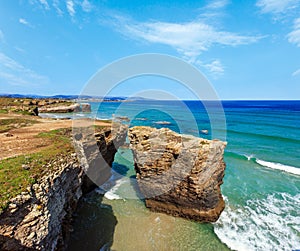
{"x":246,"y":49}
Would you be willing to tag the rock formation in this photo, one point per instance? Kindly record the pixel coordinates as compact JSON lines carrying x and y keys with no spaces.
{"x":31,"y":106}
{"x":97,"y":164}
{"x":38,"y":219}
{"x":34,"y":219}
{"x":178,"y":174}
{"x":85,"y":107}
{"x":60,"y":109}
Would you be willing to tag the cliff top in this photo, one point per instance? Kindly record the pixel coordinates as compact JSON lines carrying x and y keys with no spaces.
{"x":24,"y":106}
{"x":29,"y":147}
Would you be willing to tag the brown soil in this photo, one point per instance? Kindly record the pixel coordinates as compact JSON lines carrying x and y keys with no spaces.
{"x":24,"y":140}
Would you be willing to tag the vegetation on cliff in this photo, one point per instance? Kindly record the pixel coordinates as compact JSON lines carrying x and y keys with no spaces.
{"x":17,"y":173}
{"x":28,"y":106}
{"x":12,"y":123}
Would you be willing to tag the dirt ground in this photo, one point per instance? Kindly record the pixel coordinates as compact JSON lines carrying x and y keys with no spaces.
{"x":24,"y":141}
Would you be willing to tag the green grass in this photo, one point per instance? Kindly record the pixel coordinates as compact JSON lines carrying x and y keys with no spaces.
{"x":14,"y":178}
{"x":22,"y":112}
{"x":22,"y":105}
{"x":8,"y":124}
{"x":98,"y":128}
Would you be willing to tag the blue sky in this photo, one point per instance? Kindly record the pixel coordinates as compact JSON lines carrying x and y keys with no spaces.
{"x":246,"y":49}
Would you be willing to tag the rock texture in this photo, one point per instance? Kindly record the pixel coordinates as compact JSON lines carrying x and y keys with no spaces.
{"x":35,"y":219}
{"x":84,"y":107}
{"x":38,"y":219}
{"x":60,"y":109}
{"x":31,"y":106}
{"x":97,"y":163}
{"x":178,"y":174}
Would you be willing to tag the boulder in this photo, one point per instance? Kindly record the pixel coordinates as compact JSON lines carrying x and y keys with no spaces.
{"x":86,"y":107}
{"x":178,"y":174}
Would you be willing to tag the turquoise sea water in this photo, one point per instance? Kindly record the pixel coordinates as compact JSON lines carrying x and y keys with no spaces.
{"x":261,"y":184}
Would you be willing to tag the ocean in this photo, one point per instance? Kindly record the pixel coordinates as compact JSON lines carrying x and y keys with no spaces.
{"x":261,"y":184}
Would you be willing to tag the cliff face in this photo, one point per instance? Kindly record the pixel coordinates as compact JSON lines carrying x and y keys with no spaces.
{"x":97,"y":164}
{"x":38,"y":219}
{"x":34,"y":219}
{"x":60,"y":109}
{"x":179,"y":174}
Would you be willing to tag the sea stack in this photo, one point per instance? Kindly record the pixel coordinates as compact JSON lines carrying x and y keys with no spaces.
{"x":179,"y":174}
{"x":86,"y":107}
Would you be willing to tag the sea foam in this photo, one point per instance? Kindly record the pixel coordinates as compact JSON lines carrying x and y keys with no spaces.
{"x":268,"y":164}
{"x":268,"y":224}
{"x":278,"y":166}
{"x":162,"y":122}
{"x":110,"y":188}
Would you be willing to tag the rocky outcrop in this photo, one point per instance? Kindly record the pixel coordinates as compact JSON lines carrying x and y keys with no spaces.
{"x":97,"y":163}
{"x":39,"y":218}
{"x":29,"y":106}
{"x":60,"y":109}
{"x":85,"y":107}
{"x":178,"y":174}
{"x":34,"y":219}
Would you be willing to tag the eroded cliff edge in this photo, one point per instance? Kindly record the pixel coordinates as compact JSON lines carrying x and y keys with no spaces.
{"x":38,"y":219}
{"x":179,"y":174}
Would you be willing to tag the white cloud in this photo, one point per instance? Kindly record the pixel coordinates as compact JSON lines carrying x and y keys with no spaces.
{"x":217,"y":4}
{"x":284,"y":10}
{"x":296,"y":73}
{"x":19,"y":49}
{"x":86,"y":6}
{"x":294,"y":36}
{"x":276,"y":6}
{"x":25,"y":22}
{"x":215,"y":67}
{"x":70,"y":8}
{"x":45,"y":4}
{"x":14,"y":73}
{"x":56,"y":7}
{"x":189,"y":39}
{"x":214,"y":10}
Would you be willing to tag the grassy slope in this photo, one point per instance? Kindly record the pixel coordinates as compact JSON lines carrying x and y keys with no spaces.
{"x":8,"y":124}
{"x":21,"y":105}
{"x":14,"y":178}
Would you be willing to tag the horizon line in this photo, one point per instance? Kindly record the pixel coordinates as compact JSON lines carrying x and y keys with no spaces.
{"x":145,"y":98}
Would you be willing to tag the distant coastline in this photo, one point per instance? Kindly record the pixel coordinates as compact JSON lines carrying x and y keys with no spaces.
{"x":74,"y":97}
{"x":89,"y":98}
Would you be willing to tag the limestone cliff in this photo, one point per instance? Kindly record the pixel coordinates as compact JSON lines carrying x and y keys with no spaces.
{"x":34,"y":219}
{"x":38,"y":219}
{"x":97,"y":164}
{"x":179,"y":174}
{"x":60,"y":109}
